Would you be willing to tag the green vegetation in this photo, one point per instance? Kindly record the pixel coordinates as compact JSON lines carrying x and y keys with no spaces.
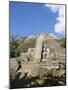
{"x":21,"y":40}
{"x":63,"y":42}
{"x":14,"y":43}
{"x":29,"y":43}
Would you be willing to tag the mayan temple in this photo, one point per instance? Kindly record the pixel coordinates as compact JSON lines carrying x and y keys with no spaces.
{"x":45,"y":57}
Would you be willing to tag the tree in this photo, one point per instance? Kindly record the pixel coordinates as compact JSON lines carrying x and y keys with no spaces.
{"x":63,"y":42}
{"x":14,"y":43}
{"x":13,"y":46}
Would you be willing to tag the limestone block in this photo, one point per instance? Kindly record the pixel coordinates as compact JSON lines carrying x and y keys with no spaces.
{"x":43,"y":60}
{"x":31,"y":50}
{"x":52,"y":55}
{"x":58,"y":72}
{"x":13,"y":63}
{"x":48,"y":52}
{"x":44,"y":49}
{"x":44,"y":55}
{"x":38,"y":48}
{"x":32,"y":70}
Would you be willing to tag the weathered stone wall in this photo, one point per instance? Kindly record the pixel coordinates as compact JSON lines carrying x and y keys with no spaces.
{"x":38,"y":48}
{"x":47,"y":57}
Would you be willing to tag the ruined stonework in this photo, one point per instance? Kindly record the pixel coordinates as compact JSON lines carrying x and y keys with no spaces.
{"x":46,"y":58}
{"x":39,"y":48}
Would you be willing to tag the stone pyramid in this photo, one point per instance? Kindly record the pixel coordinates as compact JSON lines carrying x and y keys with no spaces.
{"x":42,"y":53}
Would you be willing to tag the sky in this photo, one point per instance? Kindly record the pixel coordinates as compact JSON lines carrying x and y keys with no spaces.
{"x":33,"y":18}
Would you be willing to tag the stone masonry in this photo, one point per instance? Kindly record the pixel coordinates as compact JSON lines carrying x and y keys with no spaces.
{"x":46,"y":55}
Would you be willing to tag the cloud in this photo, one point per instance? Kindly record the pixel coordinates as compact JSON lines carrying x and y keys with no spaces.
{"x":59,"y":26}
